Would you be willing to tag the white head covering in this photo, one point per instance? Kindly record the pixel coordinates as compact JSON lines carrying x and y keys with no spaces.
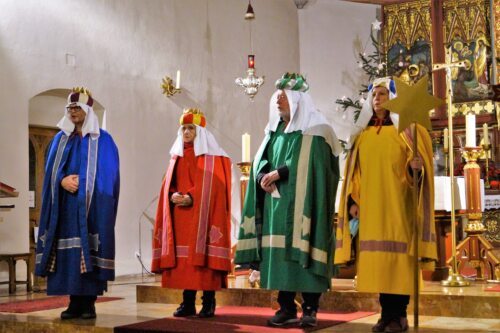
{"x":204,"y":143}
{"x":91,"y":122}
{"x":367,"y":110}
{"x":303,"y":117}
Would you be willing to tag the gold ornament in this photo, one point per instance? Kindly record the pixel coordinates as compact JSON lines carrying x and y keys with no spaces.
{"x":192,"y":111}
{"x":169,"y":89}
{"x":82,"y":90}
{"x":413,"y":104}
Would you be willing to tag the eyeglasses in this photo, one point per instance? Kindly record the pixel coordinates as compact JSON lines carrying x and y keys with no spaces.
{"x":73,"y":108}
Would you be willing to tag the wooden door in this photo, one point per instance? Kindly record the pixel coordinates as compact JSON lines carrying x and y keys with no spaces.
{"x":39,"y":142}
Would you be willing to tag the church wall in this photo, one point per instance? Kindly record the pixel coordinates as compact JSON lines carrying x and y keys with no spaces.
{"x":331,"y":35}
{"x":120,"y":50}
{"x":45,"y":110}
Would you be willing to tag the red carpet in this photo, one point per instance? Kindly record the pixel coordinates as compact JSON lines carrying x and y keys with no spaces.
{"x":237,"y":319}
{"x":45,"y":303}
{"x":492,"y":288}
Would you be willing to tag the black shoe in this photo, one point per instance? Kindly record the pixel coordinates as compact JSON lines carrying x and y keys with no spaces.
{"x":88,"y":312}
{"x":283,"y":317}
{"x":380,"y":325}
{"x":397,"y":325}
{"x":208,"y":310}
{"x":308,"y":318}
{"x":74,"y":309}
{"x":185,"y":310}
{"x":69,"y":314}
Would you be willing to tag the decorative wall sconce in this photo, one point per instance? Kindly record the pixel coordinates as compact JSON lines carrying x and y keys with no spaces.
{"x":167,"y":84}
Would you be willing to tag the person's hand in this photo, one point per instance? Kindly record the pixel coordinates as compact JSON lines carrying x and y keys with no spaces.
{"x":354,"y":210}
{"x":70,"y":183}
{"x":269,"y":178}
{"x":187,"y":200}
{"x":181,"y":199}
{"x":177,"y":198}
{"x":269,"y":189}
{"x":417,"y":163}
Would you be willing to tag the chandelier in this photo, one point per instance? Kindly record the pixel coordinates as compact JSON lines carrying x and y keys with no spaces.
{"x":251,"y":82}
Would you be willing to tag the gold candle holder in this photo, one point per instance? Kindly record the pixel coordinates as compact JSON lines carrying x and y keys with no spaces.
{"x":475,"y":250}
{"x":169,"y":89}
{"x":245,"y":176}
{"x":486,"y":148}
{"x":473,"y":190}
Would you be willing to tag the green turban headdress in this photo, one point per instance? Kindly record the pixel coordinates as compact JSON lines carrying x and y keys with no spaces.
{"x":292,"y":81}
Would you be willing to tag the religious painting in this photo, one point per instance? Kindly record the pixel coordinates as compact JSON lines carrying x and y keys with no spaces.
{"x":470,"y":83}
{"x":409,"y":64}
{"x":407,"y":40}
{"x":467,"y":38}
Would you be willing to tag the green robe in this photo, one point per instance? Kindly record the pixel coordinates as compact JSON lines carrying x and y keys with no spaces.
{"x":291,"y":237}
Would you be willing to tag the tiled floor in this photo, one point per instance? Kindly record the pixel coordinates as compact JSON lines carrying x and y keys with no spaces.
{"x":126,"y":311}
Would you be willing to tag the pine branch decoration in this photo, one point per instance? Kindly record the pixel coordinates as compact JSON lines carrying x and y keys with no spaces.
{"x":374,"y":67}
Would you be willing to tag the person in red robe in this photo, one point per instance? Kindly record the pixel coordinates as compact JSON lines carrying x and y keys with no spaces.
{"x":191,"y":244}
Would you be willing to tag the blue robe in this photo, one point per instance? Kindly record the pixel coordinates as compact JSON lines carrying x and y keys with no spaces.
{"x":76,"y":244}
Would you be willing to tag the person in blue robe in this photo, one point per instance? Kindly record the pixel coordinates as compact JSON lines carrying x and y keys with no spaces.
{"x":76,"y":243}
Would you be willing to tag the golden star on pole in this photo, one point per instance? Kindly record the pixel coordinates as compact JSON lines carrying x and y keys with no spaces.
{"x":413,"y":103}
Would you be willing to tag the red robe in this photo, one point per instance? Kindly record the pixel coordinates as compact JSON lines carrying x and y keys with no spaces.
{"x":191,"y":245}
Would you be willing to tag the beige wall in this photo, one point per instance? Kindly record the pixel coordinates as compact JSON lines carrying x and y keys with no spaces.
{"x":122,"y":49}
{"x":332,"y":34}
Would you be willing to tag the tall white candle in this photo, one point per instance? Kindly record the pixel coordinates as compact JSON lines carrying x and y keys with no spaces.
{"x":445,"y":139}
{"x":470,"y":130}
{"x":178,"y":80}
{"x":245,"y":144}
{"x":486,"y":139}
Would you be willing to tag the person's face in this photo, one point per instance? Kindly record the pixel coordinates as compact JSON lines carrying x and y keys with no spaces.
{"x":283,"y":106}
{"x":188,"y":133}
{"x":380,"y":96}
{"x":76,"y":115}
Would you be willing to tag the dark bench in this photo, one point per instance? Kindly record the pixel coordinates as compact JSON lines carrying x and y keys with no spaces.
{"x":11,"y":259}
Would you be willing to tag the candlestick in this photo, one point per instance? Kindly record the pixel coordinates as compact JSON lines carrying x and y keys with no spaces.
{"x":475,"y":250}
{"x":470,"y":130}
{"x":486,"y":139}
{"x":445,"y":139}
{"x":178,"y":80}
{"x":245,"y":144}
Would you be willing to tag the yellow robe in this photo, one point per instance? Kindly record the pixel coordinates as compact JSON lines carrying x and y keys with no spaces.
{"x":377,"y":178}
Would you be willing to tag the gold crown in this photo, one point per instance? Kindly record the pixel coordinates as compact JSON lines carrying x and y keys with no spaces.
{"x":82,"y":90}
{"x":193,"y":111}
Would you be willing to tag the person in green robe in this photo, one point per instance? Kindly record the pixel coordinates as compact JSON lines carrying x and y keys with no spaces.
{"x":287,"y":220}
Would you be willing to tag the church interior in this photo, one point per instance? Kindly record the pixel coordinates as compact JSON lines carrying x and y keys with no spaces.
{"x":145,"y":61}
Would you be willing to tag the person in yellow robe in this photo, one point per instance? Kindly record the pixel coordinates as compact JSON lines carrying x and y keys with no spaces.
{"x":375,"y":213}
